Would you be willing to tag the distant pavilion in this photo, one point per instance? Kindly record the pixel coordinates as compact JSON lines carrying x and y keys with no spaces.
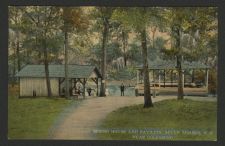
{"x":159,"y":68}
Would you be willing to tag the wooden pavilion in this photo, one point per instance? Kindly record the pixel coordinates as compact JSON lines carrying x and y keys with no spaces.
{"x":32,"y":79}
{"x":159,"y":70}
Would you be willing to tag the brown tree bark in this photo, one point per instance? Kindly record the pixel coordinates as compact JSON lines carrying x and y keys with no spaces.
{"x":17,"y":42}
{"x":103,"y":68}
{"x":14,"y":65}
{"x":147,"y":91}
{"x":176,"y":31}
{"x":67,"y":94}
{"x":124,"y":48}
{"x":46,"y":66}
{"x":180,"y":94}
{"x":193,"y":76}
{"x":153,"y":37}
{"x":18,"y":51}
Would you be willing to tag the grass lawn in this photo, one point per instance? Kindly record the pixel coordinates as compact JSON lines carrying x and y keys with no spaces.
{"x":167,"y":120}
{"x":32,"y":118}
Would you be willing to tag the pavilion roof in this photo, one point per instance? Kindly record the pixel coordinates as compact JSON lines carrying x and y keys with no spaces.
{"x":171,"y":64}
{"x":74,"y":71}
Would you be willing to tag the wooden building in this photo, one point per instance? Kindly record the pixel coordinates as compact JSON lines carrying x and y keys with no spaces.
{"x":160,"y":69}
{"x":32,"y":79}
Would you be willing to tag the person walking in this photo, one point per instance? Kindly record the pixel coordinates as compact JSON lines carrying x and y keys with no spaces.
{"x":122,"y":89}
{"x":89,"y":91}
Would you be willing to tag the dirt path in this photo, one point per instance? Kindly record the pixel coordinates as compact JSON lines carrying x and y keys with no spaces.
{"x":82,"y":120}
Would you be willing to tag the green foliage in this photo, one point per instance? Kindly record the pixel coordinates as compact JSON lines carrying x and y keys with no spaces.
{"x":85,"y":27}
{"x":123,"y":74}
{"x":34,"y":22}
{"x":158,"y":50}
{"x":99,"y":16}
{"x":134,"y":53}
{"x":74,"y":19}
{"x":96,"y":50}
{"x":113,"y":51}
{"x":198,"y":24}
{"x":136,"y":18}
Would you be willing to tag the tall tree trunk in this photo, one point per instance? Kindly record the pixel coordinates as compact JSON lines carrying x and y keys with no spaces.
{"x":124,"y":48}
{"x":17,"y":42}
{"x":153,"y":37}
{"x":37,"y":40}
{"x":38,"y":51}
{"x":67,"y":94}
{"x":14,"y":65}
{"x":147,"y":91}
{"x":46,"y":67}
{"x":180,"y":80}
{"x":176,"y":31}
{"x":103,"y":68}
{"x":180,"y":94}
{"x":18,"y":51}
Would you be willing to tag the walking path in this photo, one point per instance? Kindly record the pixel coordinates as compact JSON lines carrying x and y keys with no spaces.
{"x":80,"y":122}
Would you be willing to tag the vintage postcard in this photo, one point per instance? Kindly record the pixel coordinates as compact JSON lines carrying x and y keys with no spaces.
{"x":112,"y":73}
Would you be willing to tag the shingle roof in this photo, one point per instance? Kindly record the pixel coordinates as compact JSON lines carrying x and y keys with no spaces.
{"x":74,"y":71}
{"x":171,"y":64}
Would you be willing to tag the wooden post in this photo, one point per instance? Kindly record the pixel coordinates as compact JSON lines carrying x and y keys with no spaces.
{"x":207,"y":79}
{"x":153,"y":75}
{"x":75,"y":83}
{"x":19,"y":88}
{"x":171,"y":77}
{"x":193,"y":76}
{"x":97,"y":86}
{"x":96,"y":82}
{"x":183,"y":78}
{"x":159,"y":80}
{"x":149,"y":73}
{"x":59,"y":86}
{"x":164,"y":78}
{"x":61,"y":80}
{"x":100,"y":83}
{"x":84,"y":82}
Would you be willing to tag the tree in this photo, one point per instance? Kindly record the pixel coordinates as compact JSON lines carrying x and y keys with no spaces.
{"x":46,"y":57}
{"x":43,"y":22}
{"x":193,"y":21}
{"x":15,"y":15}
{"x":122,"y":35}
{"x":134,"y":54}
{"x":12,"y":58}
{"x":103,"y":16}
{"x":73,"y":19}
{"x":139,"y":19}
{"x":15,"y":38}
{"x":176,"y":31}
{"x":66,"y":27}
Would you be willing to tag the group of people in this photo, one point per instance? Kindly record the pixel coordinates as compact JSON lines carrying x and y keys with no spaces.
{"x":89,"y":90}
{"x":78,"y":91}
{"x":122,"y":88}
